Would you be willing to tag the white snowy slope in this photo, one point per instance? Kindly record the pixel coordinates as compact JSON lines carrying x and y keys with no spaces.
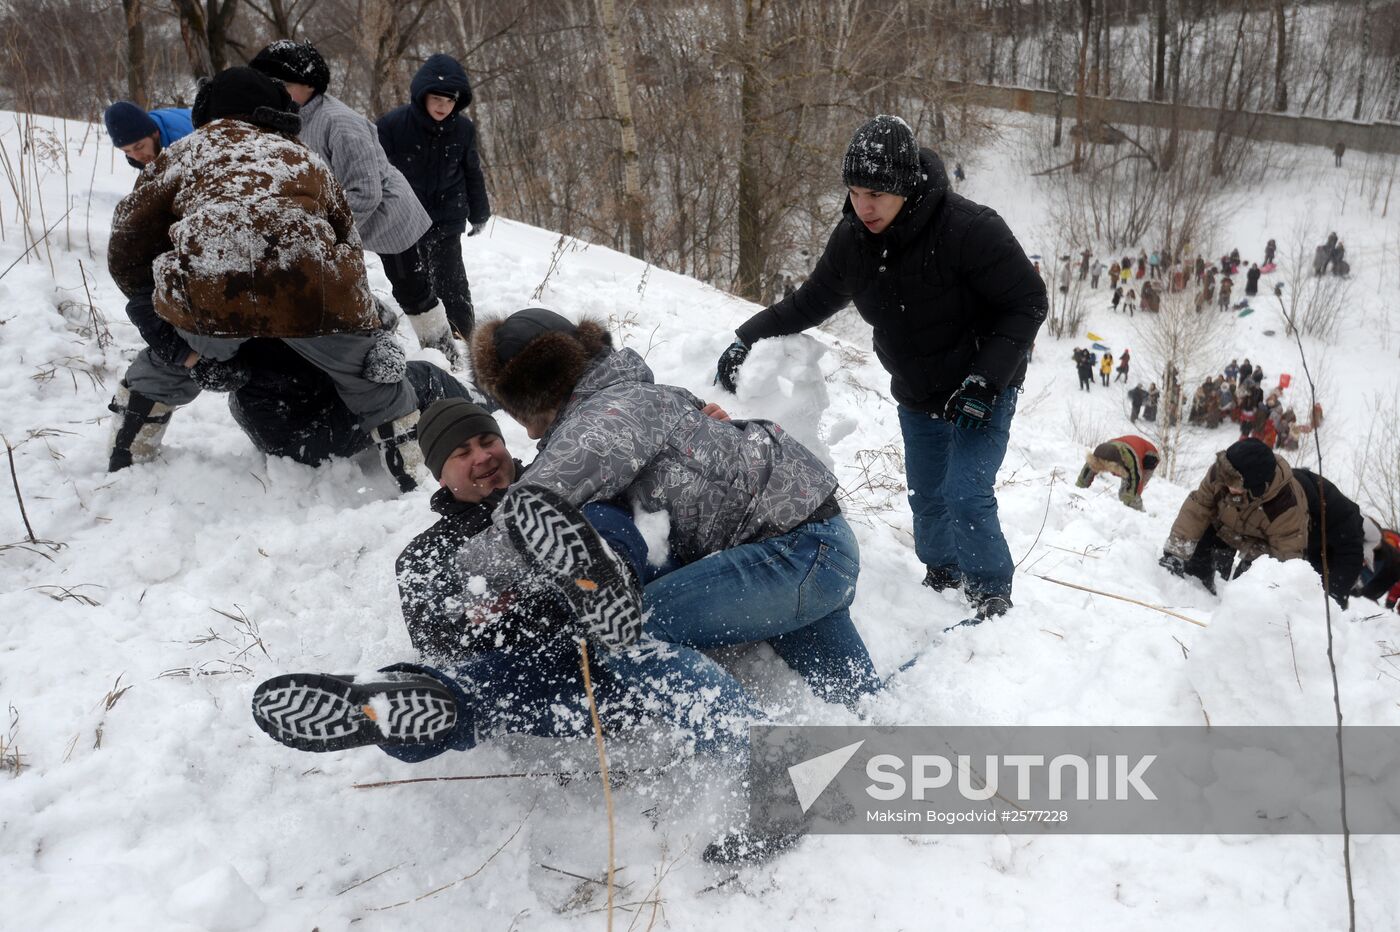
{"x":133,"y":634}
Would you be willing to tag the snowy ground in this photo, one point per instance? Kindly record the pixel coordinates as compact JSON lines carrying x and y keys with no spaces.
{"x":133,"y":634}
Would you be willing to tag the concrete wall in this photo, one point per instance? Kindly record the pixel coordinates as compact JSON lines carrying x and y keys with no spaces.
{"x":1278,"y":127}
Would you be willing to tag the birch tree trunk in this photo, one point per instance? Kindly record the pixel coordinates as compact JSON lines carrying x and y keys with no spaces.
{"x":632,"y":206}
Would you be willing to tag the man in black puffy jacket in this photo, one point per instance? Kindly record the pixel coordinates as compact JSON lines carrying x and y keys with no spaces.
{"x":433,"y":142}
{"x":955,"y":305}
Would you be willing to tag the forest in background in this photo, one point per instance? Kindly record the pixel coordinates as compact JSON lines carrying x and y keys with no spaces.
{"x":706,"y":138}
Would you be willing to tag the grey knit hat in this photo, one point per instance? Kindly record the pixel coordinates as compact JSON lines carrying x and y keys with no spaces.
{"x":446,"y":425}
{"x":883,"y":156}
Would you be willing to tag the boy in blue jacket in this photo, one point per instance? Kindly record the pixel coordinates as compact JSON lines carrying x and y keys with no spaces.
{"x":142,"y":135}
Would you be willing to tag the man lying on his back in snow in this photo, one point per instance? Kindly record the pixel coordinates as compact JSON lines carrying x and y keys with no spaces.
{"x":239,"y":232}
{"x":520,"y":674}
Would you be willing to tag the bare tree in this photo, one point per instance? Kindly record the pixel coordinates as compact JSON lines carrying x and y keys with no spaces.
{"x":1379,"y":471}
{"x":135,"y":53}
{"x":387,"y":29}
{"x":1180,"y":345}
{"x":633,"y":207}
{"x":284,"y":16}
{"x":1280,"y":56}
{"x":1314,"y":303}
{"x":205,"y":27}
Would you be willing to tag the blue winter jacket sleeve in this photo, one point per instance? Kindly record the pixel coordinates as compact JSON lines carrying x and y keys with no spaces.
{"x":174,"y":122}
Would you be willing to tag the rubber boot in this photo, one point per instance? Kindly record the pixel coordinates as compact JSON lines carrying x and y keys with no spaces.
{"x":137,"y":429}
{"x":397,"y":441}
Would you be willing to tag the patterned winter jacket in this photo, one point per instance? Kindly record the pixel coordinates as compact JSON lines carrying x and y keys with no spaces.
{"x":1274,"y":523}
{"x":622,"y":437}
{"x":387,"y":212}
{"x":242,"y":232}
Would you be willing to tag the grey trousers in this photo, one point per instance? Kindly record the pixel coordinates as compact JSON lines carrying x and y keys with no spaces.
{"x":341,"y":356}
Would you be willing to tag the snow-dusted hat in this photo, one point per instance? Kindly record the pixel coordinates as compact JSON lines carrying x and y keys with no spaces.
{"x":531,"y":360}
{"x":128,"y":123}
{"x":883,"y":156}
{"x":446,"y":425}
{"x":297,"y":62}
{"x":244,"y":94}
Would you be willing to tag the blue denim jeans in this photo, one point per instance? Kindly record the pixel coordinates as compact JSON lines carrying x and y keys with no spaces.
{"x":538,"y":690}
{"x":951,"y":472}
{"x":794,"y":591}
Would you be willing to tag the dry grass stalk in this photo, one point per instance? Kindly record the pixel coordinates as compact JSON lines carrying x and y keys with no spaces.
{"x":448,"y":886}
{"x":14,"y":477}
{"x":67,"y":593}
{"x":602,"y":766}
{"x":1124,"y":598}
{"x":11,"y":760}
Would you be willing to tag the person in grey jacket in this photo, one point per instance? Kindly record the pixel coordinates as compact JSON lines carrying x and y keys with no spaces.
{"x":757,"y":548}
{"x":388,"y":214}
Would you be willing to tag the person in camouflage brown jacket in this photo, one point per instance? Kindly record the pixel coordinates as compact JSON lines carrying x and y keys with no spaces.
{"x":240,"y":233}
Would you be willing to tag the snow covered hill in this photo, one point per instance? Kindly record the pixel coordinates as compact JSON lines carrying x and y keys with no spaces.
{"x":133,"y":633}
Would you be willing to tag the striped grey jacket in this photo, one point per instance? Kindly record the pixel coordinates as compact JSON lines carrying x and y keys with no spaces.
{"x":387,"y":212}
{"x":622,"y":437}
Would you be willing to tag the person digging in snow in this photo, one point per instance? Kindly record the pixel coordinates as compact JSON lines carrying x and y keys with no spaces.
{"x":1252,"y":503}
{"x":953,"y":325}
{"x":189,"y":247}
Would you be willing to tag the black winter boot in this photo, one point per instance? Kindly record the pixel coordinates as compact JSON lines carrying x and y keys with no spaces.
{"x":939,"y":578}
{"x":325,"y":712}
{"x":137,"y":429}
{"x":551,"y":534}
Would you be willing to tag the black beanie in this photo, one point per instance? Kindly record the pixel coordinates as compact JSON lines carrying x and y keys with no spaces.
{"x":883,"y":156}
{"x":297,"y":62}
{"x":517,"y":330}
{"x":446,"y":425}
{"x":248,"y":95}
{"x":128,"y":123}
{"x":1255,"y":463}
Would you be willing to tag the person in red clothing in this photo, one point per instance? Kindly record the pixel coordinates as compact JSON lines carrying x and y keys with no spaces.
{"x":1132,"y":458}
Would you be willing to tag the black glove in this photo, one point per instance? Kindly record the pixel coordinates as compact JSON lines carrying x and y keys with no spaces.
{"x":477,"y":228}
{"x":1173,"y":564}
{"x":971,"y":405}
{"x":215,"y":375}
{"x":729,"y":364}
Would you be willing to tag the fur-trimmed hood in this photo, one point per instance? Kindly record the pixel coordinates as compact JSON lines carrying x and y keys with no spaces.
{"x":539,"y":376}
